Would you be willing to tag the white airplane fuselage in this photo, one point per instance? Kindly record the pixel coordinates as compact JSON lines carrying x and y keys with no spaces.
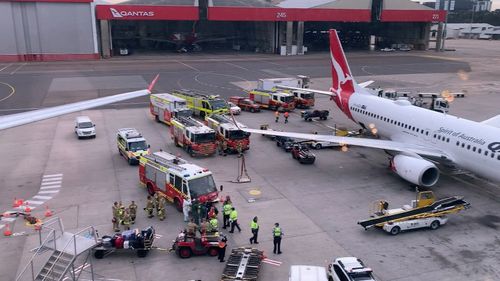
{"x":470,"y":145}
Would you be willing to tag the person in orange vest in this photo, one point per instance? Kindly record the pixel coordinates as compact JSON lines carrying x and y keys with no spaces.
{"x":286,"y":116}
{"x":222,"y":248}
{"x":277,"y":115}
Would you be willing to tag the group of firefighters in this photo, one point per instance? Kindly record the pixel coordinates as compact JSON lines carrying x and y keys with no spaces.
{"x":277,"y":116}
{"x":123,"y":216}
{"x":223,"y":148}
{"x":200,"y":217}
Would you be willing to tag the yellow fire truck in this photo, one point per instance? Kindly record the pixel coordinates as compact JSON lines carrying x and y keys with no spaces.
{"x":176,"y":179}
{"x":202,"y":104}
{"x":227,"y":131}
{"x":193,"y":136}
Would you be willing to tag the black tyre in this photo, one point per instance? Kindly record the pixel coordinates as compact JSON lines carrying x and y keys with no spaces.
{"x":309,"y":119}
{"x":278,"y":144}
{"x":157,"y":119}
{"x":318,"y":146}
{"x":435,"y":225}
{"x":178,"y":205}
{"x":130,"y":161}
{"x":142,"y":253}
{"x":213,"y":251}
{"x":185,"y":252}
{"x":202,"y":115}
{"x":151,"y":190}
{"x":175,"y":142}
{"x":252,"y":109}
{"x":99,"y":254}
{"x":395,"y":230}
{"x":190,"y":151}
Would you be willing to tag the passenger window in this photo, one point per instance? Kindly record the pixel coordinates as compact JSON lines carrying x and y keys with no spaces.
{"x":178,"y":183}
{"x":474,"y":149}
{"x":479,"y":151}
{"x":486,"y":153}
{"x":184,"y":187}
{"x":492,"y":155}
{"x":463,"y":144}
{"x":427,"y":133}
{"x":468,"y":147}
{"x":458,"y":143}
{"x":340,"y":273}
{"x":498,"y":157}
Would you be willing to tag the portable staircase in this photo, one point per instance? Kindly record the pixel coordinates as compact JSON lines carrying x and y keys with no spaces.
{"x":60,"y":253}
{"x":243,"y":264}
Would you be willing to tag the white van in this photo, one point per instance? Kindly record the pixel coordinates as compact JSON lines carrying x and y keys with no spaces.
{"x":84,"y":128}
{"x":307,"y":273}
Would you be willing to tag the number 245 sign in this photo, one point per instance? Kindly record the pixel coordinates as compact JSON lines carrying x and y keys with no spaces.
{"x":281,"y":15}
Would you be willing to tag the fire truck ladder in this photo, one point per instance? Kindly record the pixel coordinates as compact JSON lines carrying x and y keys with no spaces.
{"x":243,"y":264}
{"x":167,"y":159}
{"x":190,"y":122}
{"x":441,"y":207}
{"x":221,"y":118}
{"x":192,"y":93}
{"x":59,"y":254}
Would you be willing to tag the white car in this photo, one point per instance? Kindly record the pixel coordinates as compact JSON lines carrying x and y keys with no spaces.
{"x":235,"y":110}
{"x":433,"y":223}
{"x":84,"y":128}
{"x":323,"y":144}
{"x":387,"y":50}
{"x":349,"y":269}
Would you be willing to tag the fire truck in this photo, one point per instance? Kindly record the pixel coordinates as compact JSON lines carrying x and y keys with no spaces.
{"x":193,"y":136}
{"x":176,"y":179}
{"x":273,"y":100}
{"x":227,"y":130}
{"x":164,"y":107}
{"x":303,"y":98}
{"x":202,"y":104}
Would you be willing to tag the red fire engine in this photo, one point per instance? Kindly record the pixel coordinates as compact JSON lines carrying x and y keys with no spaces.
{"x":176,"y":178}
{"x":164,"y":107}
{"x":193,"y":136}
{"x":229,"y":132}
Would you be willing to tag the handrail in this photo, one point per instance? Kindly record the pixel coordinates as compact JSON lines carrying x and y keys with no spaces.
{"x":52,"y":232}
{"x":73,"y":239}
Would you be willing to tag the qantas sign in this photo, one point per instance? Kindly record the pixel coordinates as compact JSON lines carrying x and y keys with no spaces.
{"x":121,"y":14}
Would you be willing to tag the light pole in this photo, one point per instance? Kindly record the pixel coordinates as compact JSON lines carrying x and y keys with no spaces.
{"x":474,"y":3}
{"x":447,"y":4}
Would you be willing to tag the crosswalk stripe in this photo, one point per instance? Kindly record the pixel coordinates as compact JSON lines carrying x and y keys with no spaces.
{"x":51,"y":182}
{"x":34,"y":202}
{"x":9,"y":219}
{"x":48,"y":191}
{"x":42,"y":197}
{"x":52,"y":179}
{"x":53,"y":175}
{"x":2,"y":226}
{"x":50,"y":186}
{"x":22,"y":208}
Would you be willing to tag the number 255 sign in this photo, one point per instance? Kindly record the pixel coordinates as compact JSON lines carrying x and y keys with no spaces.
{"x":281,"y":15}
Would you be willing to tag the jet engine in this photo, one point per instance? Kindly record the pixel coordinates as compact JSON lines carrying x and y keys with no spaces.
{"x":415,"y":170}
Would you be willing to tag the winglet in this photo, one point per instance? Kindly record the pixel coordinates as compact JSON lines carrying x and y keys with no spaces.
{"x":152,"y":85}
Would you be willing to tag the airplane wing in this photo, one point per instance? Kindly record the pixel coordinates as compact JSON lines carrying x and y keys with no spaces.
{"x":366,"y":84}
{"x":405,"y":148}
{"x":19,"y":119}
{"x":327,"y":93}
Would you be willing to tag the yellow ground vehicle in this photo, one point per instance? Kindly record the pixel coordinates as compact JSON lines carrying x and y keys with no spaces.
{"x":202,"y":104}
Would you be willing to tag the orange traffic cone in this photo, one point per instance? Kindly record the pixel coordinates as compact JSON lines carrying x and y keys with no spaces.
{"x":17,"y":202}
{"x":48,"y":212}
{"x":7,"y":231}
{"x":27,"y":208}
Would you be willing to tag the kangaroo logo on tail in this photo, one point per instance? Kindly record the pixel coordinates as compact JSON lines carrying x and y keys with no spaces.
{"x":342,"y":80}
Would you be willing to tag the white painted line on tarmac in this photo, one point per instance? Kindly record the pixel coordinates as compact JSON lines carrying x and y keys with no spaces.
{"x":22,"y":208}
{"x":53,"y":175}
{"x":34,"y":202}
{"x":51,"y":182}
{"x":42,"y":197}
{"x":188,"y":66}
{"x":237,"y":66}
{"x":50,"y":186}
{"x":2,"y":69}
{"x":2,"y":226}
{"x":19,"y":67}
{"x":48,"y":191}
{"x":8,"y":219}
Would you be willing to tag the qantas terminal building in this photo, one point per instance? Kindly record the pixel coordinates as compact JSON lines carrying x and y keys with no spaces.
{"x":49,"y":30}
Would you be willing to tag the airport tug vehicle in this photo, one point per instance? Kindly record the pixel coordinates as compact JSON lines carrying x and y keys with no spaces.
{"x":423,"y":212}
{"x":140,"y":241}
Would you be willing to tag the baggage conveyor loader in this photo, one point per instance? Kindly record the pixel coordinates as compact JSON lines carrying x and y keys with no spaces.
{"x":425,"y":211}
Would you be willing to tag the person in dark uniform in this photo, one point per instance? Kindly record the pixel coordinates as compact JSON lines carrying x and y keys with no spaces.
{"x":222,"y":248}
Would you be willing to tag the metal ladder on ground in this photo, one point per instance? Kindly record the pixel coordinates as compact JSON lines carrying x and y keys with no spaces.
{"x":59,"y":254}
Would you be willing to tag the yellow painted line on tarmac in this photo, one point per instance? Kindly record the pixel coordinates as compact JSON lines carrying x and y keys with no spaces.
{"x":12,"y":91}
{"x":440,"y":57}
{"x":255,"y":192}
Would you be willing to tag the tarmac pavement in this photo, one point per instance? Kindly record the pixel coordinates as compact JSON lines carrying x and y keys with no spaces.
{"x":317,"y":205}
